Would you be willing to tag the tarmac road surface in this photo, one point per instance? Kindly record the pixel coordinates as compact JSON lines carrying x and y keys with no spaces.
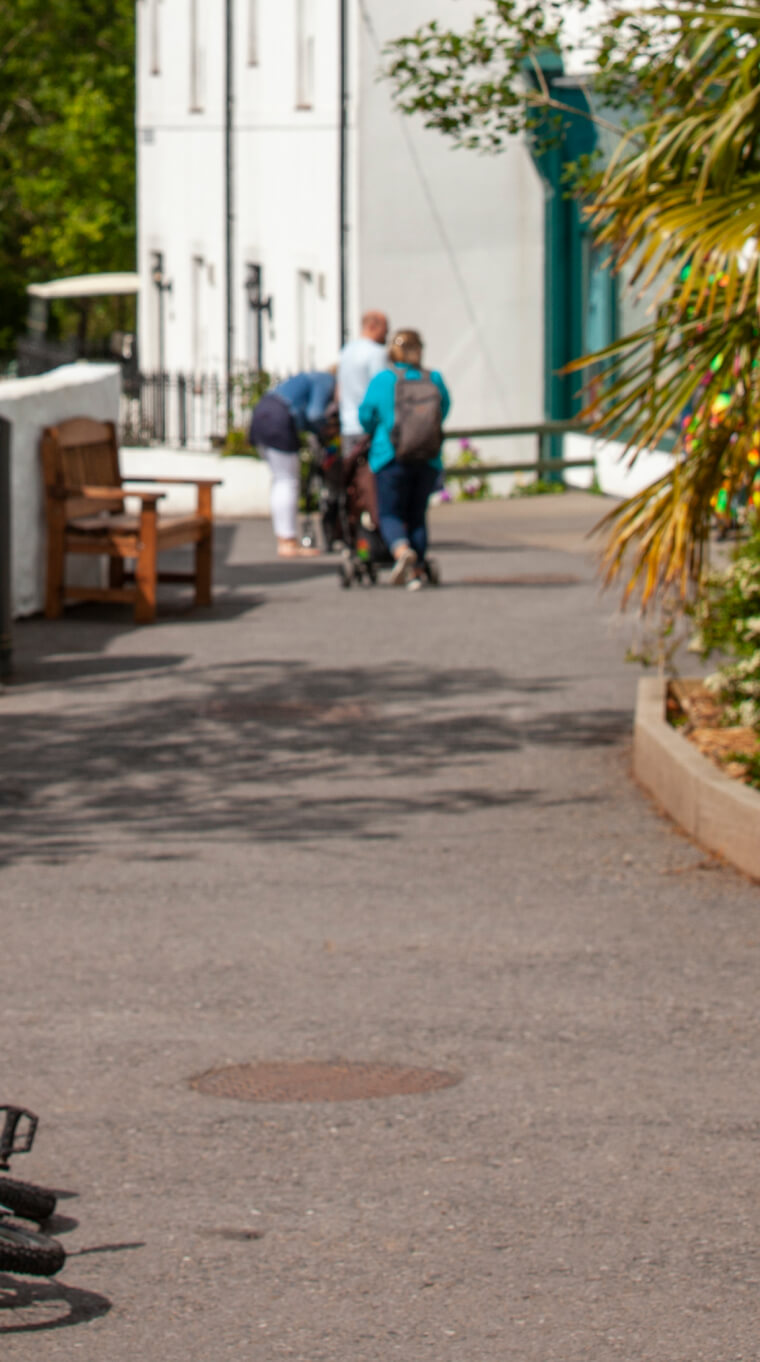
{"x":388,"y":828}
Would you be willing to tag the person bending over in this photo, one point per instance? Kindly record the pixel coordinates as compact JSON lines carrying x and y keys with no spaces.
{"x":295,"y":405}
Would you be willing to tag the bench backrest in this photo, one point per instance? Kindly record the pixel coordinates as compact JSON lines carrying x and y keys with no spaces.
{"x":79,"y":453}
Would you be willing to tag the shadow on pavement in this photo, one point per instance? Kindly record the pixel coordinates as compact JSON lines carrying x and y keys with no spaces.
{"x":286,"y":755}
{"x":60,"y":1224}
{"x":28,"y":1307}
{"x":438,"y":545}
{"x":74,"y":650}
{"x":75,"y":670}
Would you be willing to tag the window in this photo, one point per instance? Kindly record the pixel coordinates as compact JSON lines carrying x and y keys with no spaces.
{"x":253,"y":32}
{"x":153,"y":39}
{"x":305,"y":44}
{"x":196,"y":59}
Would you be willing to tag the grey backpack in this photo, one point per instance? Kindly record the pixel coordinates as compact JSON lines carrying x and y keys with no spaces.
{"x":418,"y":427}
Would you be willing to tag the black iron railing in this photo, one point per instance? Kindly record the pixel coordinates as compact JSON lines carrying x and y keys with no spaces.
{"x":183,"y":409}
{"x":189,"y":410}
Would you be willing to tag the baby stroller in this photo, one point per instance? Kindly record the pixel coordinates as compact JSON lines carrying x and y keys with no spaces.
{"x":322,"y":486}
{"x":365,"y":551}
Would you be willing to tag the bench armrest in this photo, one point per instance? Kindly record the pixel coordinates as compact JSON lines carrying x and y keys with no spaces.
{"x":116,"y":494}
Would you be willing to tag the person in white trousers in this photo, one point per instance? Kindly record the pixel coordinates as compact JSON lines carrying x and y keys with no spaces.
{"x":297,"y":404}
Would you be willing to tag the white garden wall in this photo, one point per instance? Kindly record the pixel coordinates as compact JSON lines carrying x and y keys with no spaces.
{"x":615,"y":476}
{"x":30,"y":404}
{"x":244,"y":489}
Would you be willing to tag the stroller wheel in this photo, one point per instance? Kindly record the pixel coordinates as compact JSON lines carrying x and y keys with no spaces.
{"x":432,"y":571}
{"x":372,"y":574}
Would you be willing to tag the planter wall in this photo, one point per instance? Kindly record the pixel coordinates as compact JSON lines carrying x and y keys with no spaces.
{"x":720,"y":813}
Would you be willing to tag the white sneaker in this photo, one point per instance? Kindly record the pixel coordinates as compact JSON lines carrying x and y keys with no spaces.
{"x":415,"y":583}
{"x":403,"y":566}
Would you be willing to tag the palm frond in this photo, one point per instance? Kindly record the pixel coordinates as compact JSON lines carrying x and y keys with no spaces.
{"x":678,"y":207}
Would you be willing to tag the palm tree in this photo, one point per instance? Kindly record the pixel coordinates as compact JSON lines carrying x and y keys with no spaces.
{"x":679,"y":204}
{"x":678,"y":207}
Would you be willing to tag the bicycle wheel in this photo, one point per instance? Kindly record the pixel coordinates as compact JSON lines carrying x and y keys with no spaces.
{"x":26,"y":1200}
{"x":23,"y":1250}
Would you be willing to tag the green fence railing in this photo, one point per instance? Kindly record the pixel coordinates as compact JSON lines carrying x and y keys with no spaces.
{"x":543,"y":432}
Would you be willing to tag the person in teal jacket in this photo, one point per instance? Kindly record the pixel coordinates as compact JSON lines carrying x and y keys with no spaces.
{"x":403,"y":488}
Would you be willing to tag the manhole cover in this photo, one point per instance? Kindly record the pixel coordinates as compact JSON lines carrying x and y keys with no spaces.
{"x":313,"y":1081}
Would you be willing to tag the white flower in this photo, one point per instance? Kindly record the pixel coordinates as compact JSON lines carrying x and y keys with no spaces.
{"x":748,"y":713}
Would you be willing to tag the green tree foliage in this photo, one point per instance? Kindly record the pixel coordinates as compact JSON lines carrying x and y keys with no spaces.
{"x":678,"y":206}
{"x":67,"y":164}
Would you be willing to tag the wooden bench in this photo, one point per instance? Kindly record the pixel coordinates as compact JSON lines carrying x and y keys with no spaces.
{"x":85,"y":497}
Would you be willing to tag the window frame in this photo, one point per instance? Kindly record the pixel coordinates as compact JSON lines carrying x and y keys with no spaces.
{"x":154,"y":38}
{"x":306,"y":66}
{"x":196,"y":102}
{"x":252,"y":37}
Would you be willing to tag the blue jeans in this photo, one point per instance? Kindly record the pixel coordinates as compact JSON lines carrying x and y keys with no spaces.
{"x":403,"y":492}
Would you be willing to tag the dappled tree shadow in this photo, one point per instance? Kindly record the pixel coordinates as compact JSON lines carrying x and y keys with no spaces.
{"x":274,"y":753}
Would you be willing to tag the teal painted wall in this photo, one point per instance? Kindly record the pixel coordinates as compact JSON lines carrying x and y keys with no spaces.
{"x":580,"y":295}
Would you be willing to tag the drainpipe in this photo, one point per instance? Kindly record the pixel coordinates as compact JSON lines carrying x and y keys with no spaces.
{"x":5,"y":549}
{"x":343,"y":172}
{"x":228,"y":202}
{"x":556,"y":303}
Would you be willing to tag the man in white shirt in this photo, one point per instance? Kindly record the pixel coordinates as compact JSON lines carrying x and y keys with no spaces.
{"x":359,"y":361}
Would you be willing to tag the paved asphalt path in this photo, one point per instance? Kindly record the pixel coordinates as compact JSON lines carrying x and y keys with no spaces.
{"x":386,"y":827}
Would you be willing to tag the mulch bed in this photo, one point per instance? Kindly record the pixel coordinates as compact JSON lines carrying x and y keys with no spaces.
{"x":700,"y":715}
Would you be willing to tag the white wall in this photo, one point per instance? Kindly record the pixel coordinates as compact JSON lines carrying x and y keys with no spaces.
{"x":30,"y":404}
{"x":180,"y":140}
{"x":451,"y":242}
{"x":615,"y":476}
{"x":287,"y":182}
{"x":245,"y":481}
{"x":446,"y":240}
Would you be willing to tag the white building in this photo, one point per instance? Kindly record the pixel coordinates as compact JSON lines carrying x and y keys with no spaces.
{"x":443,"y":240}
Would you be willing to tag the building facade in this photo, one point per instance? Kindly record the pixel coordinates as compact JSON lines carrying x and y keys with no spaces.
{"x":325,"y":225}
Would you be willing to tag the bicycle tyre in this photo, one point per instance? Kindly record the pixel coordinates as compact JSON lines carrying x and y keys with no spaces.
{"x":25,"y":1251}
{"x":26,"y":1200}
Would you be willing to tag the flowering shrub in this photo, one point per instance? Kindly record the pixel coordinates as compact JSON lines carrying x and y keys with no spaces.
{"x":727,"y":615}
{"x":475,"y":488}
{"x":237,"y":442}
{"x":537,"y":488}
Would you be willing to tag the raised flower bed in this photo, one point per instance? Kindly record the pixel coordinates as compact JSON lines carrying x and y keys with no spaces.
{"x":720,"y":812}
